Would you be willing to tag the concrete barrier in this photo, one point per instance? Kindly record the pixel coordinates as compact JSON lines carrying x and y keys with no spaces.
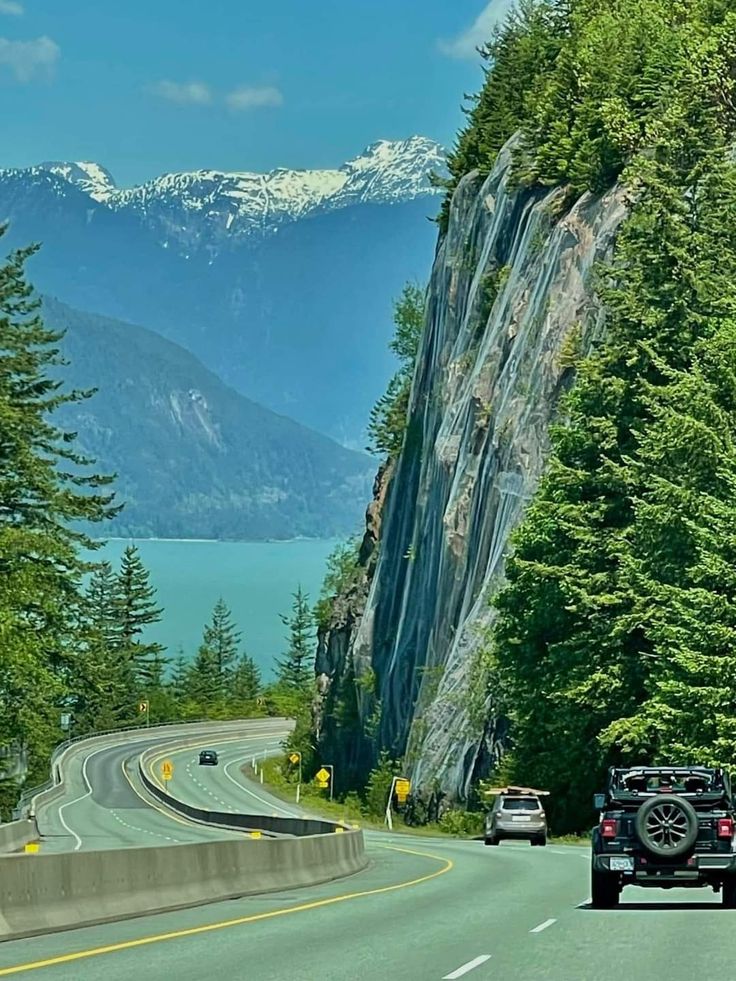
{"x":16,"y":834}
{"x":45,"y":893}
{"x":297,"y":827}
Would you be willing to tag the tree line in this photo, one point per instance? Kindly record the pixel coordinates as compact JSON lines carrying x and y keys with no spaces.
{"x":615,"y":637}
{"x":75,"y":632}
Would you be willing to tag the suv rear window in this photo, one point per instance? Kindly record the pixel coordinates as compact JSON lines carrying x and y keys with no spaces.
{"x":521,"y":804}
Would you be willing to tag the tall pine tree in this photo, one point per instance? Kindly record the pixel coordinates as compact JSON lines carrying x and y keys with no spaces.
{"x":295,"y":670}
{"x":46,"y":488}
{"x":137,"y":610}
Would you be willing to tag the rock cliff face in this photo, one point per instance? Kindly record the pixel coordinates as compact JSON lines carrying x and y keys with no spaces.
{"x":510,"y":310}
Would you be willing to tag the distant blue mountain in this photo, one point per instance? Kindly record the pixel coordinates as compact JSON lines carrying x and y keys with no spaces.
{"x":194,"y":458}
{"x":280,"y":283}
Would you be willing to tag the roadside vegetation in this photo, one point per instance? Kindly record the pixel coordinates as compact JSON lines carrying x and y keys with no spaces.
{"x":389,"y":415}
{"x":615,"y":636}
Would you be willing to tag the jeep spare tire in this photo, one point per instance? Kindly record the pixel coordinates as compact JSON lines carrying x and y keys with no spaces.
{"x":667,"y":826}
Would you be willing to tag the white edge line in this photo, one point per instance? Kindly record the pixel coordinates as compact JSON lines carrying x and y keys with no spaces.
{"x":81,"y":797}
{"x":543,"y":926}
{"x":273,"y":806}
{"x":465,"y":968}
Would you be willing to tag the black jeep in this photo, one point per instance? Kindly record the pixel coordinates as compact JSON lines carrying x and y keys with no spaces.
{"x":664,"y":827}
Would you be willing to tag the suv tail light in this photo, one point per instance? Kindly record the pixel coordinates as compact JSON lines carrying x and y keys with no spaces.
{"x":609,"y":828}
{"x":725,"y":828}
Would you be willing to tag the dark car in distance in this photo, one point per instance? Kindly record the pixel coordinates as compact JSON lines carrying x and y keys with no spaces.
{"x":208,"y":757}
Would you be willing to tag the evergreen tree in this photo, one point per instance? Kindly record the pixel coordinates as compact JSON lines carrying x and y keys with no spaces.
{"x":245,"y":684}
{"x":45,"y":489}
{"x":388,"y":417}
{"x":223,"y":639}
{"x":615,"y":633}
{"x":295,"y":670}
{"x":136,"y":610}
{"x":103,"y":678}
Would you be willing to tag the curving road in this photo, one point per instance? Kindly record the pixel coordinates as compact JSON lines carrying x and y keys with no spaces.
{"x":104,"y":805}
{"x":424,"y":909}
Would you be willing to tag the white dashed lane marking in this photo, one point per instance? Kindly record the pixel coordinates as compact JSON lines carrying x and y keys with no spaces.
{"x":143,"y":831}
{"x":206,"y":789}
{"x":466,"y":968}
{"x":542,"y":926}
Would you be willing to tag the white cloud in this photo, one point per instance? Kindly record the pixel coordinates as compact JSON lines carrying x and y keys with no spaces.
{"x":254,"y":97}
{"x":29,"y":59}
{"x":480,"y":32}
{"x":11,"y":7}
{"x":184,"y":93}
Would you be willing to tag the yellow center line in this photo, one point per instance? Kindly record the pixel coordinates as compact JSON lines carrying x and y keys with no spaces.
{"x":239,"y":921}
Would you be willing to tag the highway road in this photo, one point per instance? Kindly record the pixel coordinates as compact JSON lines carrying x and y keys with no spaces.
{"x":424,"y":909}
{"x":105,"y":806}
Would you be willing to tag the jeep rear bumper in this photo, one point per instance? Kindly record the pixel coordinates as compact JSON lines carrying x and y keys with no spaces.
{"x":694,"y":867}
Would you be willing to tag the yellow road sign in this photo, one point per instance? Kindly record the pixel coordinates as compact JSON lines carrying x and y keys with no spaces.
{"x":294,"y":758}
{"x":142,"y":706}
{"x":322,"y":784}
{"x":167,"y":769}
{"x":323,"y":776}
{"x":402,"y":788}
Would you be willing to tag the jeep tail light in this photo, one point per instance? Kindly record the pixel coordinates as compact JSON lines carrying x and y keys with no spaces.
{"x":725,"y":828}
{"x":609,"y":827}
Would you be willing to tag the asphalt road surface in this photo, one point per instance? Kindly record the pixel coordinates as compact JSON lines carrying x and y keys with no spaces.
{"x":105,"y":806}
{"x":424,"y":909}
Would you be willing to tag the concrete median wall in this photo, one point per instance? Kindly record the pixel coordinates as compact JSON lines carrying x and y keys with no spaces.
{"x":15,"y":835}
{"x":43,"y":893}
{"x":298,"y":827}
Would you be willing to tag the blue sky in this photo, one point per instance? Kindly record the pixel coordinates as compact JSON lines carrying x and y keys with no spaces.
{"x":167,"y":85}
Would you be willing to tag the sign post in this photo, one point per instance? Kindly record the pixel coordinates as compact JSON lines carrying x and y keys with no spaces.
{"x":167,"y":770}
{"x":143,"y":707}
{"x":294,"y":759}
{"x":325,"y":777}
{"x":401,"y":787}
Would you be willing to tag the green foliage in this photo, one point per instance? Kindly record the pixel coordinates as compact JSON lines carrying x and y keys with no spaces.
{"x":378,"y":784}
{"x":295,"y":670}
{"x":342,"y":573}
{"x":388,"y":418}
{"x":460,"y":823}
{"x":45,"y":489}
{"x":136,"y":610}
{"x":518,"y":56}
{"x":615,"y":635}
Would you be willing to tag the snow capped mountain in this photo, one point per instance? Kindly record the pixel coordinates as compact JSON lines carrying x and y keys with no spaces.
{"x":215,"y":210}
{"x":88,"y":177}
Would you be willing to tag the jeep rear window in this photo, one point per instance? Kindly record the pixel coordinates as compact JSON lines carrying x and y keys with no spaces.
{"x":521,"y":804}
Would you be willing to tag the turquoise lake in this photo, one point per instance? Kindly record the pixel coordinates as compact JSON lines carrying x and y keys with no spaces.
{"x":256,"y":580}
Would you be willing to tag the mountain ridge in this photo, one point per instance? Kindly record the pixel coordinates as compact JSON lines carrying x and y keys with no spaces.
{"x":230,"y":206}
{"x":194,"y":458}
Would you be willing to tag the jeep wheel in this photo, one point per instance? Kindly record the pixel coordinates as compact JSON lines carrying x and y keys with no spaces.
{"x":728,"y":892}
{"x":604,"y":890}
{"x":667,"y":825}
{"x":492,"y":840}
